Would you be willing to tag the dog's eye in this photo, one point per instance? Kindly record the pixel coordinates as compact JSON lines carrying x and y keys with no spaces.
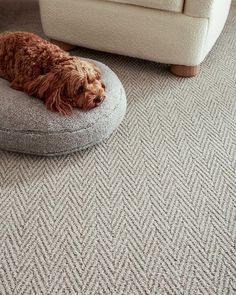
{"x":103,"y":86}
{"x":80,"y":90}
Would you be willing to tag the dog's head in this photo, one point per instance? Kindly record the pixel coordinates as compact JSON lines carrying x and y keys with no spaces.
{"x":89,"y":91}
{"x":90,"y":95}
{"x":68,"y":86}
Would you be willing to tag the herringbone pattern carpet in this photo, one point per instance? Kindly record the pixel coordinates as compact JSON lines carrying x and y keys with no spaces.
{"x":149,"y":212}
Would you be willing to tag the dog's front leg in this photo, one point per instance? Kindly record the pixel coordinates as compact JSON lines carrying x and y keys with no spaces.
{"x":15,"y":84}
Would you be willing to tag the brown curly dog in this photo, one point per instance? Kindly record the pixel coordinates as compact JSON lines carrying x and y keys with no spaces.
{"x":43,"y":70}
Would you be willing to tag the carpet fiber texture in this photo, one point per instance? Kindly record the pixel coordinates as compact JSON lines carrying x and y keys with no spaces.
{"x":151,"y":211}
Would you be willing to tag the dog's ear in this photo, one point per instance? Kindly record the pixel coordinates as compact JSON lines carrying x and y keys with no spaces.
{"x":73,"y":82}
{"x":55,"y":102}
{"x":90,"y":69}
{"x":97,"y":71}
{"x":50,"y":89}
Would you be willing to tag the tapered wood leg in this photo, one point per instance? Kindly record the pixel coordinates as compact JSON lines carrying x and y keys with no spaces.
{"x":185,"y":71}
{"x":63,"y":45}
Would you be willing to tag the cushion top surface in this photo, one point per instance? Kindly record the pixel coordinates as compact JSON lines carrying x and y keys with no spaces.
{"x":168,"y":5}
{"x":27,"y":126}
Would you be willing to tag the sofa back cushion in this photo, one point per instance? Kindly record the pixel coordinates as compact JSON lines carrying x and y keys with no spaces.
{"x":167,"y":5}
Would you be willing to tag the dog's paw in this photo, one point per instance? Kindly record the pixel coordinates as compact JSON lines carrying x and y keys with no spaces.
{"x":16,"y":85}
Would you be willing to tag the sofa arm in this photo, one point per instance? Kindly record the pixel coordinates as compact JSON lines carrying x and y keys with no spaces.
{"x":201,"y":8}
{"x":215,"y":12}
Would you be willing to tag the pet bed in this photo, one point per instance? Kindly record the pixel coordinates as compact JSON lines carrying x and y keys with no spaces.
{"x":26,"y":125}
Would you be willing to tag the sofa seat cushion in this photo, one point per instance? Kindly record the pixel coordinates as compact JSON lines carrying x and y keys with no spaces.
{"x":168,"y":5}
{"x":26,"y":125}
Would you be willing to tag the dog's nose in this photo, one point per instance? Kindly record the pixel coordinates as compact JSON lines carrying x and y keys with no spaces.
{"x":98,"y":99}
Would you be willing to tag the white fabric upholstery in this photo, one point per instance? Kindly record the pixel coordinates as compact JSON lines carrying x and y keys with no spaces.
{"x":217,"y":18}
{"x":168,"y":5}
{"x":132,"y":30}
{"x":125,"y":29}
{"x":202,"y":8}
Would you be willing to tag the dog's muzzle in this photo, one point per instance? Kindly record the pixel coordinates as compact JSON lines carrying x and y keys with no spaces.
{"x":99,"y":99}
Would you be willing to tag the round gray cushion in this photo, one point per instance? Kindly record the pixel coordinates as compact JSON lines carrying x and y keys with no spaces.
{"x":26,"y":126}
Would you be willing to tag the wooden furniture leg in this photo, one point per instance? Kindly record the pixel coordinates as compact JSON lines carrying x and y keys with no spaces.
{"x":185,"y":71}
{"x":63,"y":45}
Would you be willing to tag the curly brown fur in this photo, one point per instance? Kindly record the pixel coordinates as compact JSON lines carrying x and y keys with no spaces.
{"x":43,"y":70}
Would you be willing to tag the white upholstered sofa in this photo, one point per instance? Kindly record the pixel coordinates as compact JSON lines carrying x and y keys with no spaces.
{"x":177,"y":32}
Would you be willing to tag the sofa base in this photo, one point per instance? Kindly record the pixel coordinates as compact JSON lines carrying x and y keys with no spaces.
{"x":185,"y":71}
{"x":63,"y":45}
{"x":155,"y":35}
{"x":177,"y":70}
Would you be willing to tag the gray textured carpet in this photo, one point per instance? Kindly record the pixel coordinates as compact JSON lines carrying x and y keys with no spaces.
{"x":151,"y":210}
